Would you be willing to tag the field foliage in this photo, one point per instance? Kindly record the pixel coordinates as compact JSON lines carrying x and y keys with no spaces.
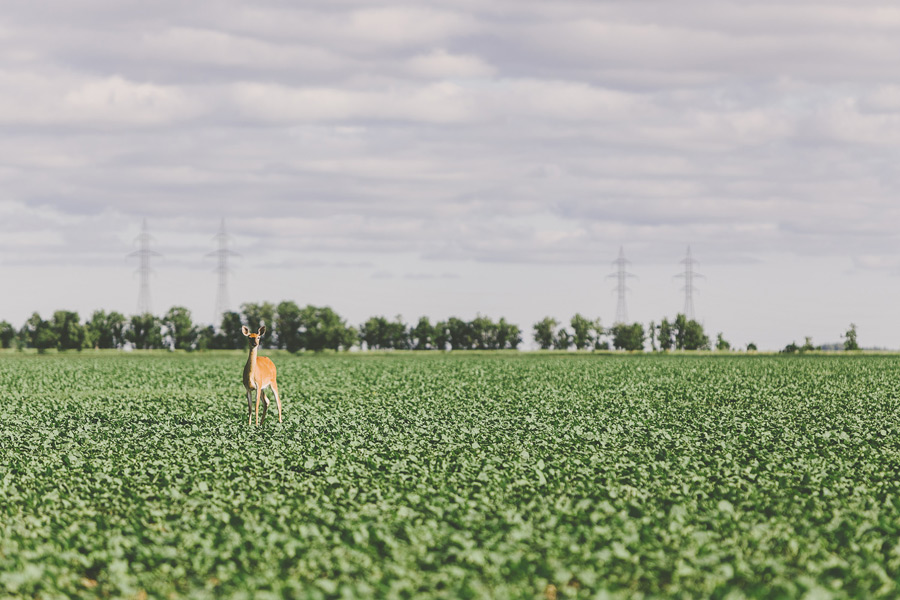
{"x":452,"y":476}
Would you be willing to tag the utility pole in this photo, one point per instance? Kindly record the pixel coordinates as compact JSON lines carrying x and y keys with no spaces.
{"x":621,"y":288}
{"x":222,"y":253}
{"x":689,"y":288}
{"x":144,"y":254}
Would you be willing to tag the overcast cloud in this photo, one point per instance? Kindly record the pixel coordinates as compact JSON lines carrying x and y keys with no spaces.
{"x":428,"y":154}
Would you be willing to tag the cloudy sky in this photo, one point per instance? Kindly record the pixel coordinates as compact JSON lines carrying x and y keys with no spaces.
{"x":451,"y":157}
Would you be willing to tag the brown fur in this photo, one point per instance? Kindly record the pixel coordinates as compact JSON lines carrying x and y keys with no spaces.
{"x":259,"y":373}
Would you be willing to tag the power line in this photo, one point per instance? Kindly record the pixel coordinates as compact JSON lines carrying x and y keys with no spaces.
{"x":689,"y":274}
{"x":621,"y":276}
{"x":144,"y":254}
{"x":223,"y":303}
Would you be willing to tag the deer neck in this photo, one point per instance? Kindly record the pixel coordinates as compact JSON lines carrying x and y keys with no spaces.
{"x":250,"y":369}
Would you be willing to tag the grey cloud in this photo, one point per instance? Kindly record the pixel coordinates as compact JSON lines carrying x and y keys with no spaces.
{"x":317,"y":264}
{"x":515,"y":132}
{"x":423,"y":276}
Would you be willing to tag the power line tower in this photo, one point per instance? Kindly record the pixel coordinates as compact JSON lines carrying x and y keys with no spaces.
{"x":144,"y":254}
{"x":222,"y":254}
{"x":621,"y":276}
{"x":689,"y":274}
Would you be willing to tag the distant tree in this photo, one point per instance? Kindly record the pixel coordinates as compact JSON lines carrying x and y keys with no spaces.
{"x":379,"y":333}
{"x":180,"y":332}
{"x":679,"y":330}
{"x":508,"y":335}
{"x":694,"y":337}
{"x":562,"y":340}
{"x":652,"y":330}
{"x":544,"y":332}
{"x":207,"y":339}
{"x":441,"y":335}
{"x":105,"y":330}
{"x":229,"y":336}
{"x":460,"y":334}
{"x":7,"y":334}
{"x":791,"y":348}
{"x":91,"y":336}
{"x":374,"y":333}
{"x":598,"y":332}
{"x":751,"y":347}
{"x":323,"y":329}
{"x":484,"y":333}
{"x":38,"y":333}
{"x":288,"y":321}
{"x":581,"y":332}
{"x":628,"y":337}
{"x":349,"y":337}
{"x":721,"y":344}
{"x":261,"y":314}
{"x":689,"y":334}
{"x":397,"y":334}
{"x":144,"y":332}
{"x":68,"y":330}
{"x":422,"y":335}
{"x":807,"y":345}
{"x":665,"y":337}
{"x":850,"y":339}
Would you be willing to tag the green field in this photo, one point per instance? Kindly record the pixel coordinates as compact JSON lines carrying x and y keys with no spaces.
{"x":451,"y":476}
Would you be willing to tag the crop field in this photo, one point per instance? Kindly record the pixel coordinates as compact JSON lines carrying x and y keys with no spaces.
{"x":451,"y":476}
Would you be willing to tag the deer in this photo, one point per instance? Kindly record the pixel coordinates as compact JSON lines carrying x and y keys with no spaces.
{"x":259,"y":373}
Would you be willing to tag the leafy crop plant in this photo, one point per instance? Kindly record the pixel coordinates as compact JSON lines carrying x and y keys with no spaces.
{"x":451,"y":476}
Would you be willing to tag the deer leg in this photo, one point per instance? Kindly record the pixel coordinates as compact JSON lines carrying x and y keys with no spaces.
{"x":265,"y":407}
{"x":249,"y":407}
{"x":277,"y":399}
{"x":258,"y":392}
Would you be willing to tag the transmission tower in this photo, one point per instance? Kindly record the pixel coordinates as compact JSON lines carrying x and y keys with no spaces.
{"x":144,"y":254}
{"x":222,"y":254}
{"x":621,"y":275}
{"x":689,"y":274}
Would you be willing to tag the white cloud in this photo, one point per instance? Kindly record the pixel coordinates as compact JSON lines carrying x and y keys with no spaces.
{"x":65,"y":99}
{"x":881,"y":99}
{"x":440,"y":64}
{"x":435,"y":103}
{"x":354,"y":28}
{"x":877,"y":262}
{"x":186,"y":45}
{"x":394,"y":26}
{"x":115,"y":99}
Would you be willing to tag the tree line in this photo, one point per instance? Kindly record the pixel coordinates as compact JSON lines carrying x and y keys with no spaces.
{"x":849,"y":344}
{"x":290,"y":327}
{"x":679,"y":334}
{"x":584,"y":333}
{"x":316,"y":328}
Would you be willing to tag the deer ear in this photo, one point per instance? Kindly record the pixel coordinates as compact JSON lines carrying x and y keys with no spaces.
{"x":262,"y":330}
{"x":245,"y":330}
